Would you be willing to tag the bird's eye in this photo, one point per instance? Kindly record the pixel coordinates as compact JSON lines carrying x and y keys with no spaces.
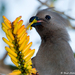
{"x":47,"y":17}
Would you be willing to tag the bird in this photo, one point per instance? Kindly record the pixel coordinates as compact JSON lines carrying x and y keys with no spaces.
{"x":55,"y":56}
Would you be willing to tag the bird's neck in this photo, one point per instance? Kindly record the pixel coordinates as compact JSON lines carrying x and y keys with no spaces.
{"x":54,"y":36}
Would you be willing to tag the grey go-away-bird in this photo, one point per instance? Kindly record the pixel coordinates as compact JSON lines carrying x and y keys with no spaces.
{"x":55,"y":56}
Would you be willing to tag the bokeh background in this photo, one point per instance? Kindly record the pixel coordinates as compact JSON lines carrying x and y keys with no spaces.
{"x":27,"y":8}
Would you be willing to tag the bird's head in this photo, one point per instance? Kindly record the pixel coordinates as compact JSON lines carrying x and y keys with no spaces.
{"x":48,"y":22}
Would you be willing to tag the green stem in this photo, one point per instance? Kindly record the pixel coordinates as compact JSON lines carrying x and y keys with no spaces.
{"x":19,"y":57}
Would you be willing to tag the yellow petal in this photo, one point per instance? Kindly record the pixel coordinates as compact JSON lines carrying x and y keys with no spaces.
{"x":22,"y":45}
{"x":29,"y":62}
{"x":17,"y":19}
{"x":34,"y":21}
{"x":4,"y":26}
{"x":22,"y":38}
{"x":10,"y":34}
{"x":6,"y":41}
{"x":15,"y":62}
{"x":30,"y":28}
{"x":29,"y":67}
{"x":5,"y":30}
{"x":15,"y":28}
{"x":28,"y":38}
{"x":27,"y":41}
{"x":9,"y":38}
{"x":19,"y":35}
{"x":20,"y":29}
{"x":6,"y":19}
{"x":12,"y":48}
{"x":27,"y":59}
{"x":29,"y":55}
{"x":15,"y":72}
{"x":20,"y":23}
{"x":7,"y":24}
{"x":27,"y":48}
{"x":33,"y":71}
{"x":10,"y":51}
{"x":13,"y":58}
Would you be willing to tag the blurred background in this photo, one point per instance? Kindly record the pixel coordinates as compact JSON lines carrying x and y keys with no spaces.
{"x":27,"y":8}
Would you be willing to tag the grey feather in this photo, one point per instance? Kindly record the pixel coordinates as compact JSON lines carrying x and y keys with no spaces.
{"x":55,"y":54}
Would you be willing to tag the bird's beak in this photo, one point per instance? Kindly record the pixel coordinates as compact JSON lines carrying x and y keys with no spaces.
{"x":38,"y":21}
